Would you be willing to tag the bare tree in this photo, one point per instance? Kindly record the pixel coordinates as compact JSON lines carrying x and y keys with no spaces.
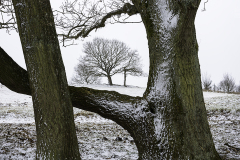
{"x":107,"y":56}
{"x":174,"y":93}
{"x":206,"y":81}
{"x":170,"y":120}
{"x":132,"y":66}
{"x":84,"y":73}
{"x":227,"y":84}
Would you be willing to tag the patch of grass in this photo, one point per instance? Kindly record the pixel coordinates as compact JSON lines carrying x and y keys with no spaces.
{"x":84,"y":113}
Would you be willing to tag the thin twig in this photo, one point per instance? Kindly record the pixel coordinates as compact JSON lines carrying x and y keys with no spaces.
{"x":204,"y":9}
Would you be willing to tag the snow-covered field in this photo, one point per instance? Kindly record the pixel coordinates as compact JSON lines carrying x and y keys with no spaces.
{"x":102,"y":139}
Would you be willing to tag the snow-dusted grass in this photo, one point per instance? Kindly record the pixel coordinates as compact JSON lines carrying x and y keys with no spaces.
{"x":97,"y":136}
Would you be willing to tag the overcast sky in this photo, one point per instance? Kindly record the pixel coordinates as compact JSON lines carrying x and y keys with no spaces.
{"x":218,"y":37}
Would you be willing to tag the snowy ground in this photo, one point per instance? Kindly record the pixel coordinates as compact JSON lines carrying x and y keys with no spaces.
{"x":102,"y":139}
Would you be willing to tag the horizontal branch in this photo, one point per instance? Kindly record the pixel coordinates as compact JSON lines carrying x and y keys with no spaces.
{"x":108,"y":104}
{"x":12,"y":75}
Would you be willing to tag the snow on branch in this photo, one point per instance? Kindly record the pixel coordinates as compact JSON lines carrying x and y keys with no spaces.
{"x":109,"y":104}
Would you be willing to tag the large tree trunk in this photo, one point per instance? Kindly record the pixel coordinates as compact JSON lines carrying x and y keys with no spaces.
{"x":178,"y":127}
{"x":169,"y":122}
{"x":56,"y":136}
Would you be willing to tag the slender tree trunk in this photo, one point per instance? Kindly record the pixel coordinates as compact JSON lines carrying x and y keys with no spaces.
{"x":125,"y":78}
{"x":109,"y":79}
{"x":56,"y":136}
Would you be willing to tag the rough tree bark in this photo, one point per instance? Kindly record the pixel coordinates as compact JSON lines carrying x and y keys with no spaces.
{"x":174,"y":96}
{"x":169,"y":121}
{"x":56,"y":136}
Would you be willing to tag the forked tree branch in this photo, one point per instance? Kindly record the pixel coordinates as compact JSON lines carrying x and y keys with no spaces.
{"x":84,"y":29}
{"x":126,"y":9}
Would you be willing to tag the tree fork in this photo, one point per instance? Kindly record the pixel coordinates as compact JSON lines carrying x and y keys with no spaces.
{"x":169,"y":121}
{"x":9,"y":69}
{"x":126,"y":9}
{"x":81,"y":97}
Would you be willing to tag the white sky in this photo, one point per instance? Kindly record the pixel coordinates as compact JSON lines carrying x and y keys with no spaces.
{"x":218,"y":36}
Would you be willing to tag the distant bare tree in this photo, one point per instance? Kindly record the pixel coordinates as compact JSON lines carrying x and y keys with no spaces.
{"x":206,"y":81}
{"x":132,"y":66}
{"x":228,"y":83}
{"x":84,"y":73}
{"x":106,"y":56}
